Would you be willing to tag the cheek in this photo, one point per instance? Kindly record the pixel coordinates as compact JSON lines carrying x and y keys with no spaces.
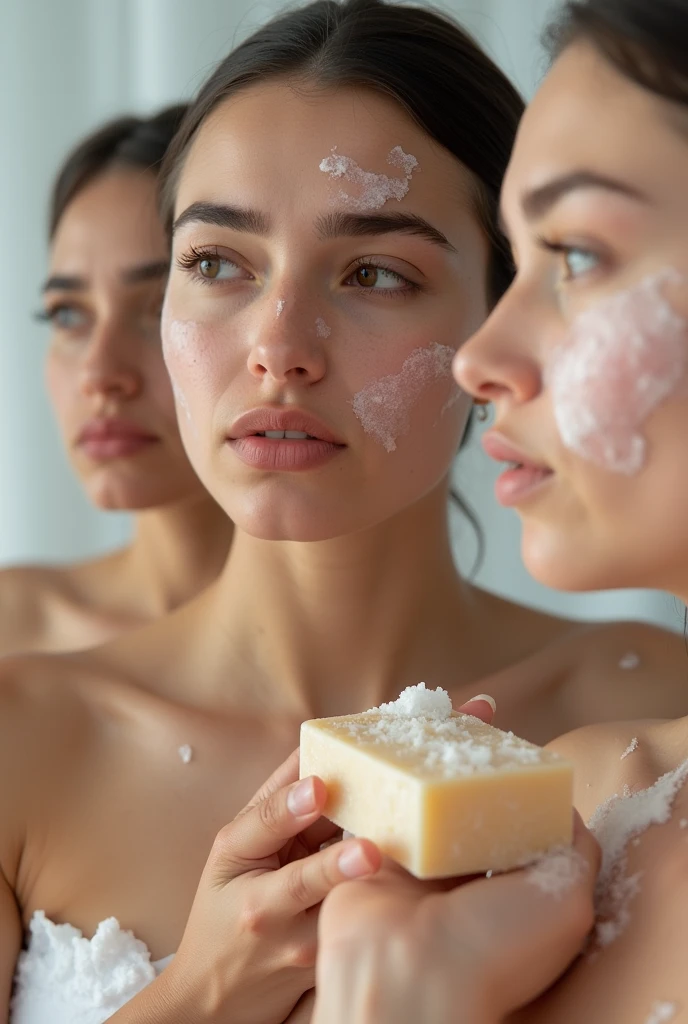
{"x":61,"y":378}
{"x":194,"y":354}
{"x":622,"y":359}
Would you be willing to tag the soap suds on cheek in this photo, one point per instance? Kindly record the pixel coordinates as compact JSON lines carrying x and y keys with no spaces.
{"x":384,"y":405}
{"x":281,"y":303}
{"x":622,"y":358}
{"x":375,"y":189}
{"x":321,"y":328}
{"x":188,"y":349}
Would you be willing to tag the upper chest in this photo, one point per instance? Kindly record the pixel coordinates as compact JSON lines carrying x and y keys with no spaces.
{"x":128,"y":832}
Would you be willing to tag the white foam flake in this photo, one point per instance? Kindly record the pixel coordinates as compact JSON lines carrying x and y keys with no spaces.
{"x":633,"y":745}
{"x":375,"y":189}
{"x":558,"y":871}
{"x":384,"y":405}
{"x":629,"y":661}
{"x":185,"y":753}
{"x":281,"y":303}
{"x":616,"y":823}
{"x":419,"y":700}
{"x":321,"y":328}
{"x":661,"y":1012}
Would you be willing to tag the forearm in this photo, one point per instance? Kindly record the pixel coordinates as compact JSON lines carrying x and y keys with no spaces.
{"x":164,"y":1000}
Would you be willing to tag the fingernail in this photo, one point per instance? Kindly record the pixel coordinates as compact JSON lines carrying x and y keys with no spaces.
{"x":485,"y":696}
{"x":353,"y":862}
{"x":301,"y":798}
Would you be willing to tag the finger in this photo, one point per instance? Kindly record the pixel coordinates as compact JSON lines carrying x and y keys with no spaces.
{"x":305,"y":883}
{"x":261,"y":831}
{"x":287,"y":773}
{"x":483,"y":707}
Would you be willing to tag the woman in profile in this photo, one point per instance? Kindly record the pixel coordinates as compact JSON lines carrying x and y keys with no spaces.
{"x":109,"y":260}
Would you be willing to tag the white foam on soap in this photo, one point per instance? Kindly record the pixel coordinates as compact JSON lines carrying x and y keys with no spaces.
{"x":621,"y":359}
{"x":375,"y":189}
{"x":615,"y":823}
{"x":384,"y":405}
{"x":421,"y":723}
{"x":419,"y":701}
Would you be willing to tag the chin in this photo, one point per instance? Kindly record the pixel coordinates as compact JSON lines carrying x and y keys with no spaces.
{"x":111,"y":493}
{"x":576,"y":566}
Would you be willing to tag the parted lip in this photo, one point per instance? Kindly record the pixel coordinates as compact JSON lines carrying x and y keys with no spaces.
{"x":257,"y":421}
{"x":502,"y":449}
{"x":113,"y":428}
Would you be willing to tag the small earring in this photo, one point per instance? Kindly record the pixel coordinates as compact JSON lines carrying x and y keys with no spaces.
{"x":482,"y":412}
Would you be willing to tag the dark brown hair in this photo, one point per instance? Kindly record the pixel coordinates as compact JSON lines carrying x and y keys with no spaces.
{"x":136,"y":142}
{"x":646,"y":40}
{"x":418,"y":57}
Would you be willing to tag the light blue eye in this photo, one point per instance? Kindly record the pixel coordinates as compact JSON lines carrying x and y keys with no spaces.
{"x":580,"y":261}
{"x":68,"y":318}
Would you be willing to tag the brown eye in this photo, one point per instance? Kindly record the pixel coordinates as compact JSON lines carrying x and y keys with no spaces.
{"x":209,"y":267}
{"x":367,"y":276}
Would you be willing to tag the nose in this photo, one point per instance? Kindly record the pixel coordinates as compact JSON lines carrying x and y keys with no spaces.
{"x":499,"y":362}
{"x":107,"y":367}
{"x":286,"y":347}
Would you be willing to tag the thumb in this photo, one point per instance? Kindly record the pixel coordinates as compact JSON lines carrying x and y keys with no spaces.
{"x":260,"y":832}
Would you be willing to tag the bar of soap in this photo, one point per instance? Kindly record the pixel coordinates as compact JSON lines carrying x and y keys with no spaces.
{"x":442,"y":793}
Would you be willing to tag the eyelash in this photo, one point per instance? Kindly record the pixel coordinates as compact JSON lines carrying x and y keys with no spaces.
{"x":561,"y":249}
{"x":189,"y":261}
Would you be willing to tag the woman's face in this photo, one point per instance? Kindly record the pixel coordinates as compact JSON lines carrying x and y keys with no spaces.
{"x":326,"y":266}
{"x":105,"y":372}
{"x":585,"y":357}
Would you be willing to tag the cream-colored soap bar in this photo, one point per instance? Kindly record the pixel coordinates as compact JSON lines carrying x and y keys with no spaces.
{"x":442,"y":793}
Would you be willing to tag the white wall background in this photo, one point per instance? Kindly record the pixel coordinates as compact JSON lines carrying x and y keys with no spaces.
{"x":66,"y":66}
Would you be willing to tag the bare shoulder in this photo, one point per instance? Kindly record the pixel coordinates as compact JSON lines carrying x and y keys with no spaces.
{"x":44,"y":722}
{"x":27,"y":596}
{"x":624,"y":670}
{"x":609,"y":756}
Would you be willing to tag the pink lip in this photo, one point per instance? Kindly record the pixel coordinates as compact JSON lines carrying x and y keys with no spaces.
{"x":516,"y":484}
{"x":285,"y":454}
{"x":257,"y":421}
{"x":113,"y":438}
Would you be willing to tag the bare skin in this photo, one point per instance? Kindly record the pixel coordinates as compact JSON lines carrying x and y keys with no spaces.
{"x":340,"y":588}
{"x":108,"y":266}
{"x":651,"y":949}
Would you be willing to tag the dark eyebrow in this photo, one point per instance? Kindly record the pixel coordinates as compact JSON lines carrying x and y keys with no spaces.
{"x":539,"y":201}
{"x":63,"y":283}
{"x":337,"y":225}
{"x":132,"y":275}
{"x":146,"y":272}
{"x":252,"y":221}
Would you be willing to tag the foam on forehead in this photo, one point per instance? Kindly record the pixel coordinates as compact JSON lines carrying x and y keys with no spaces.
{"x":375,"y":189}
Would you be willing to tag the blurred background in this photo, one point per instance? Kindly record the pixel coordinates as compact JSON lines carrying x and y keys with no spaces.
{"x":64,"y":68}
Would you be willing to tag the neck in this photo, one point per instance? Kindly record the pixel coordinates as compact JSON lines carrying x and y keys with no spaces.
{"x":176,"y":552}
{"x":335,"y":626}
